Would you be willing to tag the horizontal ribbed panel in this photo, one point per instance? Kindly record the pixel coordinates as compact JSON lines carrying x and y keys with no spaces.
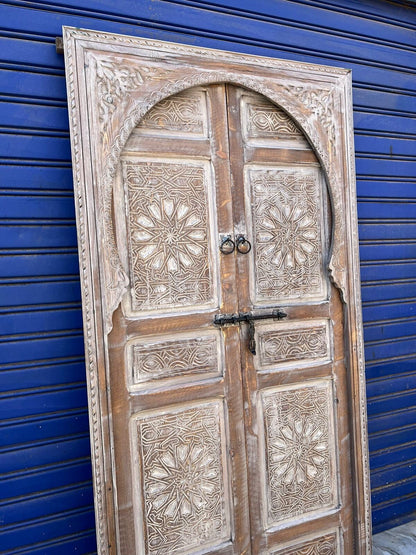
{"x":46,"y":474}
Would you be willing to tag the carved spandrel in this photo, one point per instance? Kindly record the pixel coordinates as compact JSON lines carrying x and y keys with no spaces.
{"x":327,"y":544}
{"x":184,"y":496}
{"x":321,"y":102}
{"x":185,"y":357}
{"x":288,"y":226}
{"x":169,"y":235}
{"x":293,"y":342}
{"x":115,"y":80}
{"x":300,"y":458}
{"x":181,"y":114}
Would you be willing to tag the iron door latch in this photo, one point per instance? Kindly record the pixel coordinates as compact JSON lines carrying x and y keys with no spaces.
{"x":250,"y":318}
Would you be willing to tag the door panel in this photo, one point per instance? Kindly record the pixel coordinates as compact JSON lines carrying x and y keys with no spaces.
{"x":181,"y":477}
{"x":292,"y":386}
{"x":170,"y":222}
{"x":166,"y":360}
{"x":328,"y":543}
{"x":286,"y":216}
{"x":285,"y":345}
{"x":181,"y":398}
{"x":184,"y":382}
{"x":299,"y":451}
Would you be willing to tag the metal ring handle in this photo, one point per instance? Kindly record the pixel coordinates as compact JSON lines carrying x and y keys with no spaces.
{"x":243,"y":245}
{"x":227,"y":245}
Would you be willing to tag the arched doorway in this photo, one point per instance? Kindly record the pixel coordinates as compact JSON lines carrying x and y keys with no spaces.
{"x":227,"y":372}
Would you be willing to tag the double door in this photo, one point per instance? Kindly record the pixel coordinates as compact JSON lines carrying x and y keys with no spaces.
{"x":226,"y":359}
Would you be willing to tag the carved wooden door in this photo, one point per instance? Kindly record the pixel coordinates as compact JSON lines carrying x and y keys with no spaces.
{"x":223,"y":210}
{"x":181,"y":400}
{"x":223,"y":374}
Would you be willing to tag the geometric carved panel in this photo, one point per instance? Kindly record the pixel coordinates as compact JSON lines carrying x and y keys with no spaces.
{"x":323,"y":545}
{"x":181,"y":468}
{"x":300,"y":458}
{"x":287,"y":232}
{"x":168,"y":234}
{"x":183,"y":113}
{"x":294,"y":342}
{"x":161,"y":359}
{"x":265,"y":120}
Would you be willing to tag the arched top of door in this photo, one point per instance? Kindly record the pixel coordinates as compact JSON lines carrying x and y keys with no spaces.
{"x":128,"y":76}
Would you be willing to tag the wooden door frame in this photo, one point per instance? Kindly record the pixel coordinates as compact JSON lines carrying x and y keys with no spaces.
{"x":107,"y":98}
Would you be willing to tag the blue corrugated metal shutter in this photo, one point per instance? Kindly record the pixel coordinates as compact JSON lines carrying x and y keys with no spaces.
{"x":46,"y":505}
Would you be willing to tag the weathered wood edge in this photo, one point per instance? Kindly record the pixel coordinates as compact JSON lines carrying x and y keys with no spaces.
{"x":95,"y":389}
{"x":354,"y":308}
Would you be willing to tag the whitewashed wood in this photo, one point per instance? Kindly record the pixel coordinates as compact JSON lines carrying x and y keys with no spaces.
{"x":170,"y":220}
{"x":153,"y":361}
{"x":287,"y":215}
{"x":311,"y":94}
{"x":182,"y":114}
{"x":328,"y":544}
{"x":264,"y":121}
{"x":294,"y":343}
{"x":124,"y":78}
{"x":300,"y":458}
{"x":181,"y":486}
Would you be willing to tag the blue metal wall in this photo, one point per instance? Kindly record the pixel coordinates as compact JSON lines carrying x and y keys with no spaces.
{"x":46,"y":490}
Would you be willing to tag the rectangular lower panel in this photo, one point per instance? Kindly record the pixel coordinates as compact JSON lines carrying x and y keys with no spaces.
{"x":293,"y":343}
{"x":182,"y":497}
{"x":326,"y":544}
{"x":299,"y":452}
{"x":163,"y":360}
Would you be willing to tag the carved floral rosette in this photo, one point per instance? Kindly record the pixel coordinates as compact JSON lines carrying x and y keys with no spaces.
{"x":126,"y":77}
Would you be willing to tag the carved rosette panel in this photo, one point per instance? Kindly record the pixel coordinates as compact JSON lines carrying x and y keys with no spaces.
{"x":184,"y":357}
{"x":181,"y":458}
{"x":323,"y":545}
{"x":293,"y":342}
{"x":182,"y":113}
{"x":287,"y":225}
{"x":299,"y":442}
{"x":168,"y":235}
{"x":267,"y":121}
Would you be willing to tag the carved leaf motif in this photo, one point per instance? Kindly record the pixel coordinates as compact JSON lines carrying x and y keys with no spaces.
{"x":288,"y":246}
{"x":114,"y":80}
{"x":168,"y":235}
{"x":173,"y":358}
{"x":300,"y":466}
{"x":325,"y":545}
{"x":319,"y":102}
{"x":286,"y":345}
{"x":183,"y":113}
{"x":185,"y":505}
